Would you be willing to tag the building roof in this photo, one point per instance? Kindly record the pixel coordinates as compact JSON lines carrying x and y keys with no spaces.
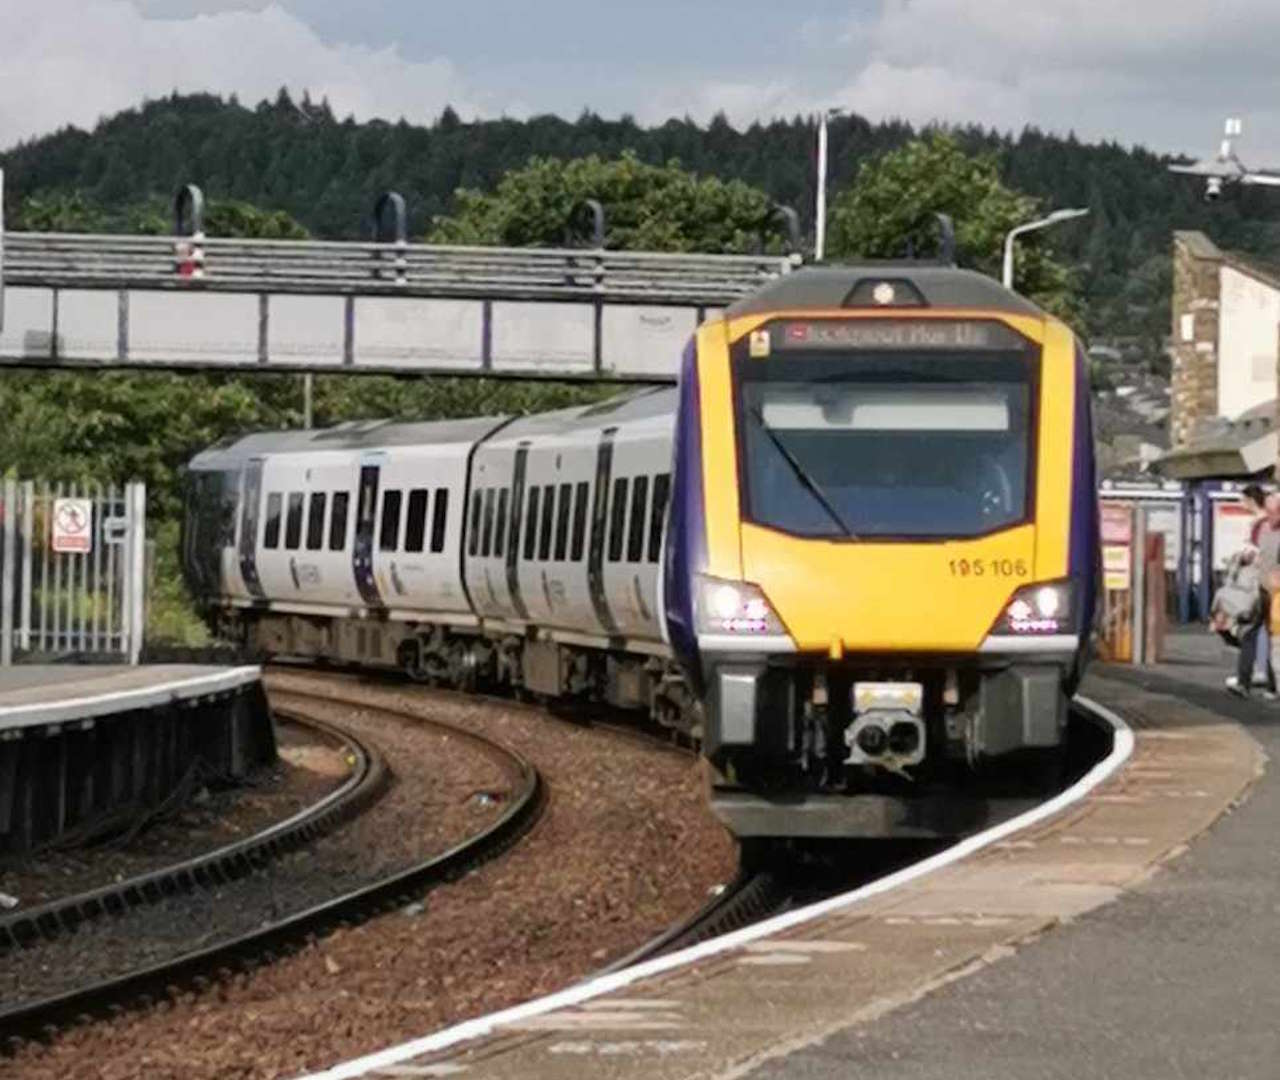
{"x":1244,"y":446}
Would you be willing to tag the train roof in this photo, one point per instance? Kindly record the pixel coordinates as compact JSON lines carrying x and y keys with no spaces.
{"x":833,"y":286}
{"x":631,"y":407}
{"x":351,"y":435}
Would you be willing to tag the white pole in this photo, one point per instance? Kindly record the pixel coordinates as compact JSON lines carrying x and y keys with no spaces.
{"x":820,"y":214}
{"x":1006,"y":272}
{"x":137,"y":562}
{"x":8,"y":570}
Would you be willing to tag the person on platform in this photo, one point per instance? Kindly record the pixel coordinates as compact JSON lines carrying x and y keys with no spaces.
{"x":1265,"y":537}
{"x":1252,"y":661}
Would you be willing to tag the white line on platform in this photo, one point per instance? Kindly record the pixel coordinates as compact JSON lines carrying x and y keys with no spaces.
{"x":1121,"y":750}
{"x":137,"y":697}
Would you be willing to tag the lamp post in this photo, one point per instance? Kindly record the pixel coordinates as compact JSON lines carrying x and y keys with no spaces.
{"x":1044,"y":222}
{"x":820,"y":211}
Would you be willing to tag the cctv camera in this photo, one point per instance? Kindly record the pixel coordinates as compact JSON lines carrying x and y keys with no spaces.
{"x":1212,"y":189}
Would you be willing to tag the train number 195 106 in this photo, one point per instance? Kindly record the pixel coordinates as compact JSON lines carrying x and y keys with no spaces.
{"x":1003,"y":568}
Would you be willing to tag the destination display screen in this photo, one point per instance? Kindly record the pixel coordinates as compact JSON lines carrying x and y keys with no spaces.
{"x":821,"y":335}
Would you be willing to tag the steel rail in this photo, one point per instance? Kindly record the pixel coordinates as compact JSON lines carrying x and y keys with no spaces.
{"x":365,"y":782}
{"x":144,"y":986}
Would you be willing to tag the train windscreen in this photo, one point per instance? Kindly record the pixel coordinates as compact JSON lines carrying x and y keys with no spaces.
{"x":887,"y":443}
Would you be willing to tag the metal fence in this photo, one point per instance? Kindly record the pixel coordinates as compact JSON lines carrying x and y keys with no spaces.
{"x":72,"y":571}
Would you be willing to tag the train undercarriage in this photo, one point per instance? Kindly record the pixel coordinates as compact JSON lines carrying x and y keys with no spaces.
{"x":792,"y":749}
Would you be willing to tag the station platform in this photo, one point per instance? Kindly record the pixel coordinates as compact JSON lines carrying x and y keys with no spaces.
{"x":80,"y":744}
{"x":1132,"y":931}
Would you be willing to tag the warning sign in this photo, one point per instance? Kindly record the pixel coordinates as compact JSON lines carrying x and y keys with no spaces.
{"x":1117,"y":566}
{"x":72,"y":525}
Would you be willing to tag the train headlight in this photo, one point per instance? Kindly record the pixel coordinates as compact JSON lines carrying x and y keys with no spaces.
{"x":734,"y":607}
{"x":1046,"y":608}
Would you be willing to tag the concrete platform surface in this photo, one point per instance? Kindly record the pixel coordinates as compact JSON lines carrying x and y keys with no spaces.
{"x":837,"y":996}
{"x":41,"y":694}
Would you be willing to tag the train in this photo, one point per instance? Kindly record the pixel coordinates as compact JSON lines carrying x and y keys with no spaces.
{"x":852,"y":554}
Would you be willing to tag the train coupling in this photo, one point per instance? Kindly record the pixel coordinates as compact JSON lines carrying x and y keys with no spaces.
{"x":887,"y":731}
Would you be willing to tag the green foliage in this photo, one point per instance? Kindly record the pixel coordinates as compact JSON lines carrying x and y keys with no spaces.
{"x":646,"y":207}
{"x":891,"y":202}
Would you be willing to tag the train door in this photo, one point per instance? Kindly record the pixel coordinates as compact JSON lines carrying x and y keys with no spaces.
{"x":362,"y":548}
{"x":250,"y":507}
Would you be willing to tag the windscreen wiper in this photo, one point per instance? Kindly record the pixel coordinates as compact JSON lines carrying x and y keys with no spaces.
{"x":802,"y":475}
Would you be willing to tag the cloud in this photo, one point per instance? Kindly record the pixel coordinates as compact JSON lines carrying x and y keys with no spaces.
{"x":73,"y":61}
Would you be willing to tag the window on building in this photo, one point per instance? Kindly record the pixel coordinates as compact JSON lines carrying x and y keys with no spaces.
{"x":338,"y":521}
{"x":580,"y":500}
{"x":293,"y":522}
{"x":531,"y":523}
{"x":658,"y":513}
{"x":486,"y":544}
{"x":500,"y":528}
{"x":271,"y":527}
{"x":389,"y":533}
{"x":635,"y":535}
{"x":617,"y":518}
{"x":562,"y":521}
{"x":439,"y":519}
{"x":315,"y":521}
{"x":415,"y":522}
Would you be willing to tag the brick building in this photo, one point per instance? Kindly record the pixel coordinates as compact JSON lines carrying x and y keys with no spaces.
{"x":1225,"y":348}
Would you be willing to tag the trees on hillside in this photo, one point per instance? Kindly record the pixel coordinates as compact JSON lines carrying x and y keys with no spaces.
{"x":647,"y":207}
{"x":889,"y":207}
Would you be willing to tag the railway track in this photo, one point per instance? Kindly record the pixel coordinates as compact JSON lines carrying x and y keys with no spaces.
{"x":200,"y":967}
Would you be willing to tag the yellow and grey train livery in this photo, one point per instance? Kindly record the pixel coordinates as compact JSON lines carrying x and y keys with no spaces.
{"x":882,"y":555}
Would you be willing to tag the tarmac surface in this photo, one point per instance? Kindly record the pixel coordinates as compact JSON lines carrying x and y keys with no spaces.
{"x":1177,"y":978}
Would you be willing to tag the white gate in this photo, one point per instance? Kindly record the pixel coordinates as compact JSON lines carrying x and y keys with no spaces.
{"x":72,"y":571}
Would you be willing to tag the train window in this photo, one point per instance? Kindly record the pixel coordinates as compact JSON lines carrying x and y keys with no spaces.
{"x":415,"y":526}
{"x":562,"y":522}
{"x":531,"y":523}
{"x":439,"y":518}
{"x":473,"y":540}
{"x":271,"y":529}
{"x":548,"y":515}
{"x":658,"y":513}
{"x":500,"y":529}
{"x":293,"y":522}
{"x":580,"y":499}
{"x":315,"y":521}
{"x":617,"y":518}
{"x":635,"y":535}
{"x":486,"y":545}
{"x":389,"y":533}
{"x":338,"y":521}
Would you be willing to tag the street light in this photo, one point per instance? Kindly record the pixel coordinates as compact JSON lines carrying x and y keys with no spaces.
{"x":820,"y":212}
{"x":1031,"y":226}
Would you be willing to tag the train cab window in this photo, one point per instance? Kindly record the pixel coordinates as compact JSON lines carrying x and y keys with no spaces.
{"x":389,"y":531}
{"x":658,"y":513}
{"x":562,"y":522}
{"x":293,"y":522}
{"x":635,"y":535}
{"x":271,"y":526}
{"x":439,"y":519}
{"x":473,"y":540}
{"x":486,"y":545}
{"x":500,"y":529}
{"x":315,"y":521}
{"x":531,"y":523}
{"x":617,"y":518}
{"x":338,"y":521}
{"x":580,"y":499}
{"x":415,"y":525}
{"x":548,"y":516}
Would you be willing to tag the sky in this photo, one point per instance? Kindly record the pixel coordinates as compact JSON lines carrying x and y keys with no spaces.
{"x":1161,"y":73}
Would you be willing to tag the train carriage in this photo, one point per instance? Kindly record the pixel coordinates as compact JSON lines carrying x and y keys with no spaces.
{"x":852,"y":554}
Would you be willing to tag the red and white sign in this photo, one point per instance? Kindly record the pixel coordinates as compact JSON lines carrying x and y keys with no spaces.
{"x":72,"y":525}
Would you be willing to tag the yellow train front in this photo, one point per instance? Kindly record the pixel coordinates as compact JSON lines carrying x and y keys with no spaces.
{"x":882,"y":554}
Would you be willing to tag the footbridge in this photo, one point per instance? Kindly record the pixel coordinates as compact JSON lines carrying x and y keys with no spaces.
{"x":191,"y":301}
